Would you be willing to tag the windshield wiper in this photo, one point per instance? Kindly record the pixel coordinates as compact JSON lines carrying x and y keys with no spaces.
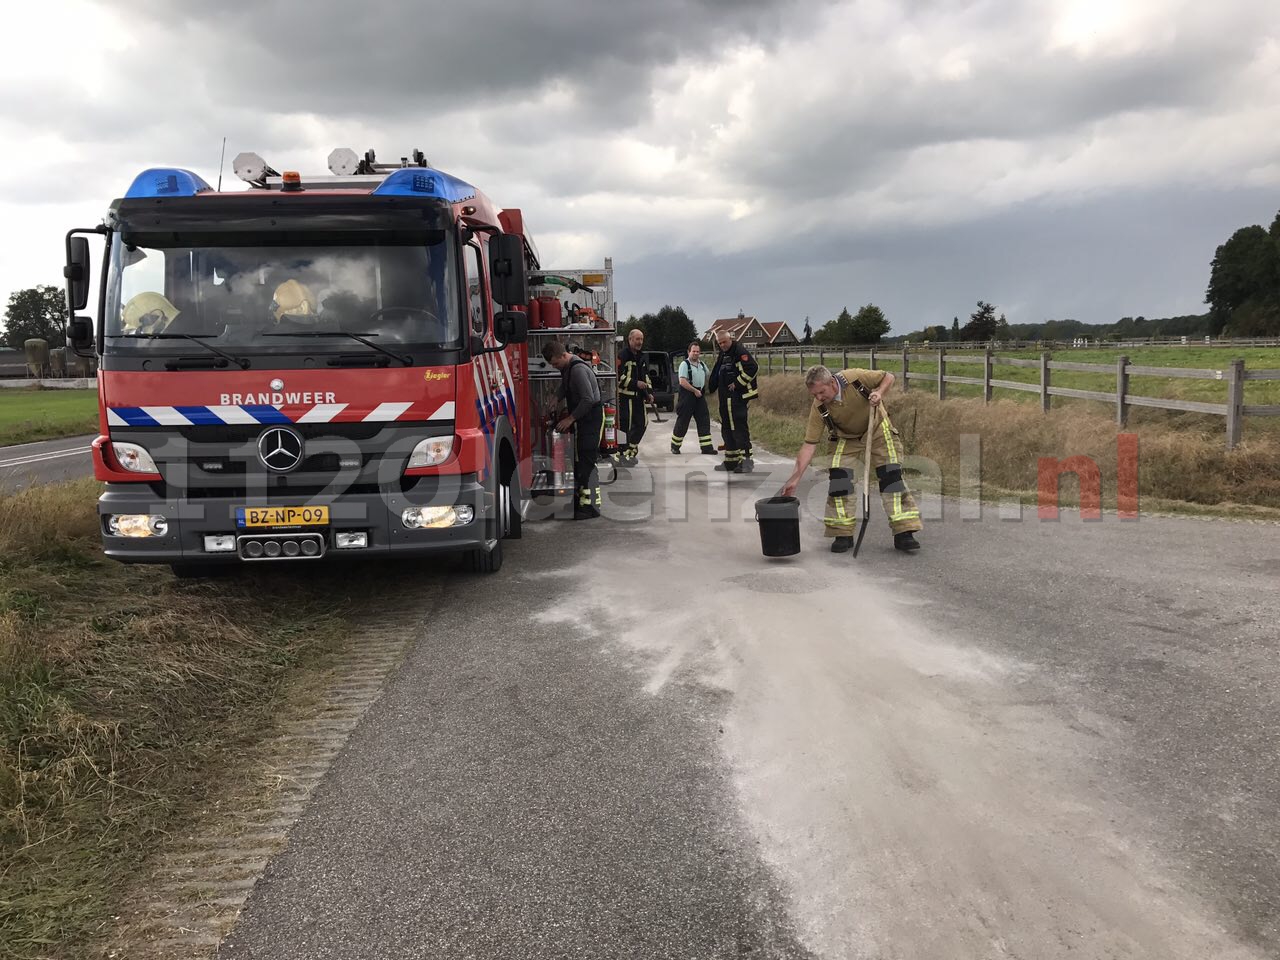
{"x":240,"y":362}
{"x":358,"y":337}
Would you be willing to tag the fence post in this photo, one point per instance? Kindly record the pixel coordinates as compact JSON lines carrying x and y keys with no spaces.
{"x":942,"y":373}
{"x":986,"y":375}
{"x":844,"y":358}
{"x":1235,"y":403}
{"x":905,"y":370}
{"x":1044,"y":383}
{"x":822,"y":359}
{"x":769,"y":360}
{"x":1122,"y":388}
{"x":872,"y":365}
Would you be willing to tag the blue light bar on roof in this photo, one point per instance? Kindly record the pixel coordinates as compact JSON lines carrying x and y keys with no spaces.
{"x":424,"y":182}
{"x":166,"y":182}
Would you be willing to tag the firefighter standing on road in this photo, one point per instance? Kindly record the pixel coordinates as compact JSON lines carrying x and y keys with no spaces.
{"x":734,"y":375}
{"x":633,"y":387}
{"x":840,"y":410}
{"x":580,"y":391}
{"x":693,"y":377}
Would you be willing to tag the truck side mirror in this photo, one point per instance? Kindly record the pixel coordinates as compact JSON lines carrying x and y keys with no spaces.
{"x":80,"y":334}
{"x":511,"y":326}
{"x":77,"y":273}
{"x":507,"y":278}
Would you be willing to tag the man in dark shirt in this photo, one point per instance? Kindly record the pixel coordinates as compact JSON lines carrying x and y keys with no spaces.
{"x":734,"y":375}
{"x":584,"y":415}
{"x":633,"y":387}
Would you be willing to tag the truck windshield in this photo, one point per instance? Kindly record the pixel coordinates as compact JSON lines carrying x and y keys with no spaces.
{"x":246,"y":300}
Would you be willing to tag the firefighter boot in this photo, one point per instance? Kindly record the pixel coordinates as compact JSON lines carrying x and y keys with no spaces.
{"x":841,"y":544}
{"x":906,"y":542}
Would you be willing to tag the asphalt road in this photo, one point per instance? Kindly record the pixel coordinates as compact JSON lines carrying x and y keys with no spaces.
{"x":1032,"y":740}
{"x":49,"y":461}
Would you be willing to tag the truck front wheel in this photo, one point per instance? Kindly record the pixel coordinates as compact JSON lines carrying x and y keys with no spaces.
{"x":486,"y":561}
{"x":506,"y":524}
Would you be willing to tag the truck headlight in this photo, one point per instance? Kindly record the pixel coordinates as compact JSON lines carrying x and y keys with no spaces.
{"x":424,"y":518}
{"x":137,"y":525}
{"x":431,"y":452}
{"x":133,"y":458}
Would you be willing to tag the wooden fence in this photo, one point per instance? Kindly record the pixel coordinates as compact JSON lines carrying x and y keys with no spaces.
{"x":1078,"y":343}
{"x":1233,"y":375}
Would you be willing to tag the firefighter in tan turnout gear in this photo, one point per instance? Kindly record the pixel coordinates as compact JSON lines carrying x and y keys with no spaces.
{"x":841,"y":411}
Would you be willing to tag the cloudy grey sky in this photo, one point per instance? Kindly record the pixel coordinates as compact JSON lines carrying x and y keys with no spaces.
{"x":1060,"y":158}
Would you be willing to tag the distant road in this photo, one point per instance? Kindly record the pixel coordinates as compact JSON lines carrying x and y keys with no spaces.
{"x":49,"y":461}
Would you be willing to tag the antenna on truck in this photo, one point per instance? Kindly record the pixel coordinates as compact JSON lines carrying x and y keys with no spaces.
{"x":222,"y":160}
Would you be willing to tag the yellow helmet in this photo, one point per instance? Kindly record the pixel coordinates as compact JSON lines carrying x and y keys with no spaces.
{"x":294,"y":299}
{"x":148,"y":312}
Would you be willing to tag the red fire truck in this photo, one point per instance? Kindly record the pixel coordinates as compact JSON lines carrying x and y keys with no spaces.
{"x":315,"y":367}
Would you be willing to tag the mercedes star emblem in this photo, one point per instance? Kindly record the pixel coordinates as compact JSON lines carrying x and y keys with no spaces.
{"x":277,"y":384}
{"x":280,"y":449}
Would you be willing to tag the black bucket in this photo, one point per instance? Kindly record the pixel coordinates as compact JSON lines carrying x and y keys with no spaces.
{"x":779,"y":520}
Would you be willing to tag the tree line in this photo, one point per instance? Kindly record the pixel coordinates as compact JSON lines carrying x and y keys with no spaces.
{"x":1126,"y":328}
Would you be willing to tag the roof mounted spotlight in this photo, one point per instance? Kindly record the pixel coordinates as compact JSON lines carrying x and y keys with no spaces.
{"x":419,"y":160}
{"x":344,"y":162}
{"x":252,"y":169}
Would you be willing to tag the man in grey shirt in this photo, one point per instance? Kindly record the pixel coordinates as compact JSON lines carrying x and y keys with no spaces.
{"x":580,"y":392}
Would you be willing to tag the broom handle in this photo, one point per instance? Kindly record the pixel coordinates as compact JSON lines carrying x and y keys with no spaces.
{"x":866,"y":476}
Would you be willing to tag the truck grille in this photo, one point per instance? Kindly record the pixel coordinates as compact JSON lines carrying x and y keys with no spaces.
{"x":216,"y":461}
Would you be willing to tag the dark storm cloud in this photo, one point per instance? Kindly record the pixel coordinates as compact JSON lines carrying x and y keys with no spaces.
{"x":855,"y":138}
{"x":388,"y":59}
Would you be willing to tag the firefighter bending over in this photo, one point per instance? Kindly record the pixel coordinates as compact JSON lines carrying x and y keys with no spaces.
{"x":734,"y":376}
{"x":842,"y":412}
{"x":632,"y":390}
{"x":580,"y":391}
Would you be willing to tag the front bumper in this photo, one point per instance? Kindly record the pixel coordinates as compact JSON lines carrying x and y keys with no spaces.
{"x":378,"y":515}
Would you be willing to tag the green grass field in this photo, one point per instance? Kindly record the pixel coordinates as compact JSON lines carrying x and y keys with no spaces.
{"x":29,"y":414}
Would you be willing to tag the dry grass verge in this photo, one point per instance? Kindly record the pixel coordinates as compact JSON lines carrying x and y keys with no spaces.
{"x":122,"y":693}
{"x":1181,"y":461}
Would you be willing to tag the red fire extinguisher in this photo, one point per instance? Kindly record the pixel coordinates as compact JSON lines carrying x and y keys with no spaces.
{"x":610,"y":428}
